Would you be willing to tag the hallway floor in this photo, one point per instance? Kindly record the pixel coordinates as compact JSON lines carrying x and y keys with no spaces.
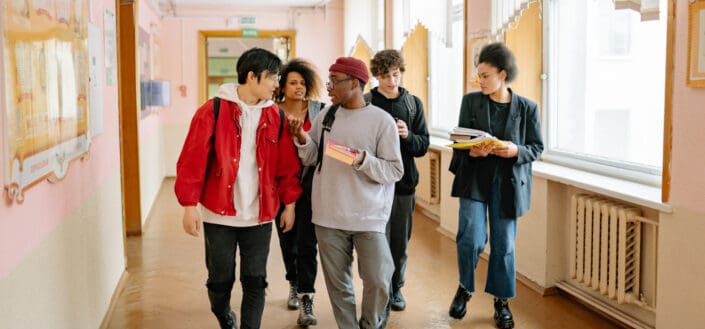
{"x":165,"y":285}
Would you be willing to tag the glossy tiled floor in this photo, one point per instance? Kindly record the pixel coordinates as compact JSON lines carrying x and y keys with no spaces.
{"x":166,"y":275}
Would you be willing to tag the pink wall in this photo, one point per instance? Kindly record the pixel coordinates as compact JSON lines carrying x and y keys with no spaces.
{"x":150,"y":22}
{"x":479,"y":12}
{"x":46,"y":205}
{"x":688,"y":175}
{"x":319,"y":38}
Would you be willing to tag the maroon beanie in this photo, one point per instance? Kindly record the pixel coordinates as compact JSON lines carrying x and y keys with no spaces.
{"x":351,"y":66}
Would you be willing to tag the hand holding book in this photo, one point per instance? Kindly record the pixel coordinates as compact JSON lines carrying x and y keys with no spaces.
{"x":465,"y":138}
{"x":343,"y":153}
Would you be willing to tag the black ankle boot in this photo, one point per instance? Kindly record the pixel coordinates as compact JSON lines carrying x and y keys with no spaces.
{"x":396,"y":300}
{"x":459,"y":306}
{"x":502,"y":315}
{"x":228,"y":321}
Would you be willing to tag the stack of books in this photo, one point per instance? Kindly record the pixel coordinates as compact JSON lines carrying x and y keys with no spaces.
{"x":341,"y":153}
{"x":464,"y":138}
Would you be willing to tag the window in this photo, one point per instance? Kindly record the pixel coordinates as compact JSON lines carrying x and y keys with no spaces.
{"x":605,"y":88}
{"x":446,"y":73}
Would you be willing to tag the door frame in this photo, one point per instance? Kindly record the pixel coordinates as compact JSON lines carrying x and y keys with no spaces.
{"x":202,"y":59}
{"x":129,"y":116}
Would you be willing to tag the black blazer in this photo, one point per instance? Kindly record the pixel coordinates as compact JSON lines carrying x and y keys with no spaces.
{"x":523,"y":129}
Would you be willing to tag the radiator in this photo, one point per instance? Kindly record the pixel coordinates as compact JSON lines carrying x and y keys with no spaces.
{"x":429,"y":189}
{"x":605,"y":248}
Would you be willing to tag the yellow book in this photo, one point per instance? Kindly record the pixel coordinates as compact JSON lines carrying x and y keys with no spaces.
{"x":465,"y":145}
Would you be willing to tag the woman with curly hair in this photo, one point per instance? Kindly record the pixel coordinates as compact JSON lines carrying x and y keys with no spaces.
{"x":299,"y":86}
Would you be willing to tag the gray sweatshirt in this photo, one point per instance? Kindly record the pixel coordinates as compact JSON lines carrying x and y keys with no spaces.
{"x":357,"y":197}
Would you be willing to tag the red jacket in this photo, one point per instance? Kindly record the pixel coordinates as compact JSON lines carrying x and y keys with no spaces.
{"x":208,"y":177}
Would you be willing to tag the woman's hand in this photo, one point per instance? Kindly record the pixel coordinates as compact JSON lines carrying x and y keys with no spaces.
{"x":509,"y":150}
{"x":481,"y":150}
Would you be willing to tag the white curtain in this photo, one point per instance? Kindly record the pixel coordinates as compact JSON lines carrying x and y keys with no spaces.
{"x":505,"y":13}
{"x":649,"y":9}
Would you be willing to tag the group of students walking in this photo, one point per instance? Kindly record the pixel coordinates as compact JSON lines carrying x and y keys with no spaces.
{"x":250,"y":161}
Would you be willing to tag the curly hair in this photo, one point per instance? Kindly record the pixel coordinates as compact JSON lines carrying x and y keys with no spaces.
{"x":501,"y":57}
{"x":307,"y":71}
{"x":385,"y":60}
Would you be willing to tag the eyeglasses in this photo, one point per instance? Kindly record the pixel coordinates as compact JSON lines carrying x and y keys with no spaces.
{"x":330,"y":84}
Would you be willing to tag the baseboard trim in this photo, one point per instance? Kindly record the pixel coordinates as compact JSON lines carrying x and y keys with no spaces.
{"x":617,"y":316}
{"x":113,"y":300}
{"x":533,"y":285}
{"x":450,"y":235}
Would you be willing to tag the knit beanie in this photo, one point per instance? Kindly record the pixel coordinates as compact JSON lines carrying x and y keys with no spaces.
{"x":351,"y":66}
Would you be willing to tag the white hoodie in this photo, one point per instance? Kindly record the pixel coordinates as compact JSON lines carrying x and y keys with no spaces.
{"x":246,"y":185}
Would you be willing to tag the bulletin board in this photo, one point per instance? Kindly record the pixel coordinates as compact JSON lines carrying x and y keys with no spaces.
{"x":45,"y":112}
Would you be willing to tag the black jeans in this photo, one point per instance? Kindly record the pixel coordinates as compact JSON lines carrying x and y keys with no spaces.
{"x":287,"y":244}
{"x":221,"y":246}
{"x":299,"y":246}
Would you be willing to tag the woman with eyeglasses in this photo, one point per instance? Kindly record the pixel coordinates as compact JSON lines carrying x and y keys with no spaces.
{"x":493,"y":181}
{"x":298,"y":88}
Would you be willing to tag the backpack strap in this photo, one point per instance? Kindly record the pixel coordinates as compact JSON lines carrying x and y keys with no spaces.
{"x":216,"y":107}
{"x":281,"y":124}
{"x":410,"y":103}
{"x":216,"y":111}
{"x":327,"y":125}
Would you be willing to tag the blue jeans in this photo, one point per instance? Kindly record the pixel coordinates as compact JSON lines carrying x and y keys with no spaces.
{"x":221,"y":244}
{"x":472,"y":238}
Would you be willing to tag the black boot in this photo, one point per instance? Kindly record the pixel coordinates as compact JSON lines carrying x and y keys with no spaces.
{"x":219,"y":296}
{"x":459,"y":306}
{"x":396,"y":300}
{"x":228,"y":321}
{"x":502,"y":315}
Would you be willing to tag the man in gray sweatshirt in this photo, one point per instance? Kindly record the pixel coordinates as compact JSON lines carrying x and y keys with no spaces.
{"x":351,"y":203}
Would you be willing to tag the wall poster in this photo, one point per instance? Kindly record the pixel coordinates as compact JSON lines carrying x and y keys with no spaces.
{"x":696,"y":44}
{"x":45,"y":115}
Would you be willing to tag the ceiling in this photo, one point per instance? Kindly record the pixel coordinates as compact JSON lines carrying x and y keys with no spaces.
{"x":178,"y":6}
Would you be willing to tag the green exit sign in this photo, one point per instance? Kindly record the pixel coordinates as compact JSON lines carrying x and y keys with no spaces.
{"x":247,"y":20}
{"x":249,"y":33}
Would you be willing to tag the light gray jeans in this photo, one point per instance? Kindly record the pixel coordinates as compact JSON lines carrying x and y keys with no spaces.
{"x":375,"y":267}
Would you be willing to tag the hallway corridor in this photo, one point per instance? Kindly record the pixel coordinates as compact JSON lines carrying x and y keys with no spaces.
{"x":165,"y":285}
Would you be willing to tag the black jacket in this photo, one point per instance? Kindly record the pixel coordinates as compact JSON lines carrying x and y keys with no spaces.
{"x":523,"y":128}
{"x":415,"y":145}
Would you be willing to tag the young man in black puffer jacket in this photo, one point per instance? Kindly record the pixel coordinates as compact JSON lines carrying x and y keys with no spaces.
{"x":388,"y":66}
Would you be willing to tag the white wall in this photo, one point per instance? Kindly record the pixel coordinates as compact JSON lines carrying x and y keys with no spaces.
{"x":68,"y":279}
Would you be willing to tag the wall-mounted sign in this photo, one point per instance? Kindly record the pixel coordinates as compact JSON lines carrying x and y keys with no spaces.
{"x":45,"y":110}
{"x":249,"y":33}
{"x":247,"y":20}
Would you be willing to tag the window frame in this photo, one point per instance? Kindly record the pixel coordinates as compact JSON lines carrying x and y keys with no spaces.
{"x":648,"y":175}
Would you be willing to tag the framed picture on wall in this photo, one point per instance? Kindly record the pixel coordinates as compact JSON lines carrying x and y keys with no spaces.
{"x":696,"y":44}
{"x":473,"y":55}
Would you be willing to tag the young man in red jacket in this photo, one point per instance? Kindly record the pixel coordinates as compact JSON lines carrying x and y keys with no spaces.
{"x":239,"y":162}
